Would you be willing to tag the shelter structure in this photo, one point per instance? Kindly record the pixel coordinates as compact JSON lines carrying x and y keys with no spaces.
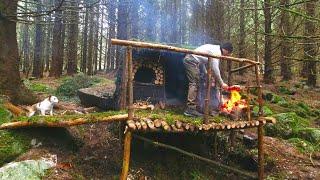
{"x":155,"y":71}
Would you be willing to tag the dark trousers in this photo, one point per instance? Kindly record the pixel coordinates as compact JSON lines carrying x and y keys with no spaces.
{"x":193,"y":75}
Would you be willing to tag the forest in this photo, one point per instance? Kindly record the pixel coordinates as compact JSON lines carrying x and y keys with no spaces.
{"x":66,"y":49}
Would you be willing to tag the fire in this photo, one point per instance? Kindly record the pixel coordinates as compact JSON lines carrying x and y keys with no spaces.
{"x":235,"y":101}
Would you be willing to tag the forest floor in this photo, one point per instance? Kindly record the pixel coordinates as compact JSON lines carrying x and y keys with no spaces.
{"x":95,"y":152}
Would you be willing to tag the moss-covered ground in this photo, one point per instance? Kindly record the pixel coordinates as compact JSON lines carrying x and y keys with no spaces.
{"x":296,"y":110}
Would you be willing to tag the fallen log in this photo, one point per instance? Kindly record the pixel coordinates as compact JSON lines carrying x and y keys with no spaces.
{"x":46,"y":121}
{"x":157,"y":123}
{"x":15,"y":110}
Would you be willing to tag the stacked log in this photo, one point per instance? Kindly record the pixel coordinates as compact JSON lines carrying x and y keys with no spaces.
{"x":156,"y":67}
{"x":147,"y":124}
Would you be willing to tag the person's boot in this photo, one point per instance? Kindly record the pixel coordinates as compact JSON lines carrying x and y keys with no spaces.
{"x":192,"y":112}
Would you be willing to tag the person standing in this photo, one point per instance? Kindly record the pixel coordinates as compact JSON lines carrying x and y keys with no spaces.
{"x":193,"y":63}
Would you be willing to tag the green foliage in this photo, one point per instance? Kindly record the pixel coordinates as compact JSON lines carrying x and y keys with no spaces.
{"x":287,"y":125}
{"x":310,"y":134}
{"x":12,"y":144}
{"x":5,"y":115}
{"x":196,"y":175}
{"x":70,"y":85}
{"x":38,"y":87}
{"x":304,"y":146}
{"x":284,"y":90}
{"x":266,"y":111}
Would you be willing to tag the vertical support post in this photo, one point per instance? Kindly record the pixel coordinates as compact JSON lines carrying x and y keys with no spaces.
{"x":130,"y":86}
{"x":260,"y":152}
{"x":260,"y":128}
{"x":215,"y":144}
{"x":248,"y":100}
{"x":126,"y":155}
{"x":208,"y":92}
{"x":232,"y":132}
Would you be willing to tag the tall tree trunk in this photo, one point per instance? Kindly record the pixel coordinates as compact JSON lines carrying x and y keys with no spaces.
{"x":96,"y":41}
{"x":122,"y":28}
{"x":242,"y":34}
{"x":85,"y":43}
{"x":310,"y":47}
{"x":285,"y":45}
{"x":218,"y":29}
{"x":101,"y":38}
{"x":73,"y":39}
{"x":26,"y":47}
{"x":256,"y":27}
{"x":135,"y":19}
{"x":57,"y":60}
{"x":90,"y":44}
{"x":10,"y":81}
{"x":268,"y":69}
{"x":48,"y":42}
{"x":38,"y":53}
{"x":112,"y":34}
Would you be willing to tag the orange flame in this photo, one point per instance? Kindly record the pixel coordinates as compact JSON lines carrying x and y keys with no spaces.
{"x":235,"y":101}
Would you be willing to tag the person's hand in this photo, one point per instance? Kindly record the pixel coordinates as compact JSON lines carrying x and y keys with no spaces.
{"x":224,"y":86}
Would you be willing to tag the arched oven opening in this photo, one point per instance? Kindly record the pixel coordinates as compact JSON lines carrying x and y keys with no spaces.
{"x":145,"y":75}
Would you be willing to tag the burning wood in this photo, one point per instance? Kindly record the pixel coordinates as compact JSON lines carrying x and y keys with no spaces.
{"x":234,"y":106}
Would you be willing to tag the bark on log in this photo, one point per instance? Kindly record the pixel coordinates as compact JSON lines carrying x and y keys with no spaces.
{"x":66,"y":123}
{"x":131,"y":125}
{"x":178,"y":124}
{"x":157,"y":123}
{"x":165,"y":125}
{"x":138,"y":125}
{"x":15,"y":110}
{"x":268,"y":119}
{"x":150,"y":123}
{"x":143,"y":125}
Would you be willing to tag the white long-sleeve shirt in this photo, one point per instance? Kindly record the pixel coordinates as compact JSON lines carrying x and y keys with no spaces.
{"x":213,"y":50}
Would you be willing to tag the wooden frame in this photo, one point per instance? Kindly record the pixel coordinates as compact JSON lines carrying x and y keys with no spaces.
{"x":251,"y":63}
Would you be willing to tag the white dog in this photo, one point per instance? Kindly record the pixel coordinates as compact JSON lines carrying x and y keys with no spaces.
{"x":43,"y":106}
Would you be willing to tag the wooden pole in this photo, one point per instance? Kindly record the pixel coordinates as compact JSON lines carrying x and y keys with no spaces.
{"x":126,"y":155}
{"x":130,"y":86}
{"x":241,"y":68}
{"x":260,"y":128}
{"x":207,"y":100}
{"x":248,"y":108}
{"x":176,"y":49}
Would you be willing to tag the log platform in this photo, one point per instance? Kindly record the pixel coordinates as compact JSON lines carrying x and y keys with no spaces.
{"x":157,"y":125}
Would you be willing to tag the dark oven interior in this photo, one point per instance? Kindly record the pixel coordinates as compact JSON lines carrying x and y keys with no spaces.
{"x":159,"y":76}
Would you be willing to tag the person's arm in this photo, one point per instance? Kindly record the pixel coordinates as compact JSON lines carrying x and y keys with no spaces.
{"x":217,"y":74}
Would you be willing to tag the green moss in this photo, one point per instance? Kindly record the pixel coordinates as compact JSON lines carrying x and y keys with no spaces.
{"x":172,"y":115}
{"x":284,"y":90}
{"x":287,"y":125}
{"x":5,"y":115}
{"x":304,"y":146}
{"x":310,"y":134}
{"x":58,"y":118}
{"x":266,"y":111}
{"x":70,"y":85}
{"x":38,"y":87}
{"x":12,"y":144}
